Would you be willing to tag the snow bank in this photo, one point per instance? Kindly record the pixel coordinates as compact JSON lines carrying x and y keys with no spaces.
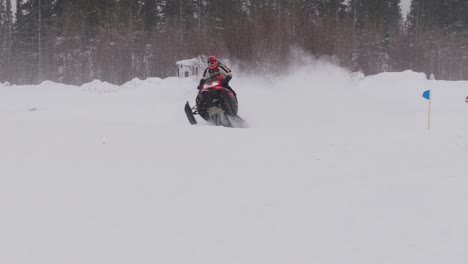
{"x":5,"y":84}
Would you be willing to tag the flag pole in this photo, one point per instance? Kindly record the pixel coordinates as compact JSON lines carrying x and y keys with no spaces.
{"x":428,"y":96}
{"x":429,"y":112}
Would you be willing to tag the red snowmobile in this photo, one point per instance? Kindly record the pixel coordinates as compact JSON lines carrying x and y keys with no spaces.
{"x":216,"y":104}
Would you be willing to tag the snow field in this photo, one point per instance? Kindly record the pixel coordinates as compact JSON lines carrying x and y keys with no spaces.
{"x":329,"y":171}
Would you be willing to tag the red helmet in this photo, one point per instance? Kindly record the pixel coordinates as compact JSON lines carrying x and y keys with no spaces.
{"x":212,"y":62}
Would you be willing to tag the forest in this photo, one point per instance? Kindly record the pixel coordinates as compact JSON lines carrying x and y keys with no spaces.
{"x":77,"y":41}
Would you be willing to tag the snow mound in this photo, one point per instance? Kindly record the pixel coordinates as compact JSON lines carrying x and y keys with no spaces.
{"x":99,"y":87}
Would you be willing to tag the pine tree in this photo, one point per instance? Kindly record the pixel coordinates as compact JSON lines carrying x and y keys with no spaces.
{"x":376,"y":23}
{"x":5,"y":39}
{"x":332,"y":18}
{"x":238,"y":31}
{"x":26,"y":45}
{"x":438,"y":37}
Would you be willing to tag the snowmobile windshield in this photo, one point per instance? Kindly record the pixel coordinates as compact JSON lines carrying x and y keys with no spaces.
{"x":211,"y":79}
{"x":211,"y":82}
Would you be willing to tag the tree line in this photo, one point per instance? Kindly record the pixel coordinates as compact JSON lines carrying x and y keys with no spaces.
{"x":77,"y":41}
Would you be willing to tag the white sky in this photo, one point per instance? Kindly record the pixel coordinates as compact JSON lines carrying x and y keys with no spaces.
{"x":13,"y":3}
{"x":405,"y":6}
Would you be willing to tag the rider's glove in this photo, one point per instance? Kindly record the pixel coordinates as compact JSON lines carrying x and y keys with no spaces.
{"x":224,"y":82}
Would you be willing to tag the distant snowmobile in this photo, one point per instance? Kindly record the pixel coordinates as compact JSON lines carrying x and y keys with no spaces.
{"x":216,"y":104}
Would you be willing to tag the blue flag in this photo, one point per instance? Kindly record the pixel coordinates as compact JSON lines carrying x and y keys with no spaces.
{"x":427,"y":94}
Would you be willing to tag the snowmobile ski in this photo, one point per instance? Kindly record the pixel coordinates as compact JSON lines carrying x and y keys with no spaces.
{"x":189,"y":113}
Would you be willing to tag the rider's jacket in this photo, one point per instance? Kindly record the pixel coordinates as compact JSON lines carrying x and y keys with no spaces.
{"x":220,"y":70}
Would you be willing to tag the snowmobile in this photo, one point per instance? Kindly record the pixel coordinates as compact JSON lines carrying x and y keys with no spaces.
{"x":216,"y":104}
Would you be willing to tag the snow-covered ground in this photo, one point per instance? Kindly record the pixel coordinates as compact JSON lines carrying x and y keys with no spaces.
{"x":331,"y":170}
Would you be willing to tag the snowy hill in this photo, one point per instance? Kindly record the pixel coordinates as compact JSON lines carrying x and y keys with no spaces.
{"x":331,"y":170}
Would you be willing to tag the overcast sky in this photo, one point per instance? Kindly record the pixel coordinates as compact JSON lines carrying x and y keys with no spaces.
{"x":405,"y":5}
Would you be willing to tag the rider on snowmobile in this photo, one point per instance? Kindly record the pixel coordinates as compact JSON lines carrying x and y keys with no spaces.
{"x":215,"y":68}
{"x":216,"y":102}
